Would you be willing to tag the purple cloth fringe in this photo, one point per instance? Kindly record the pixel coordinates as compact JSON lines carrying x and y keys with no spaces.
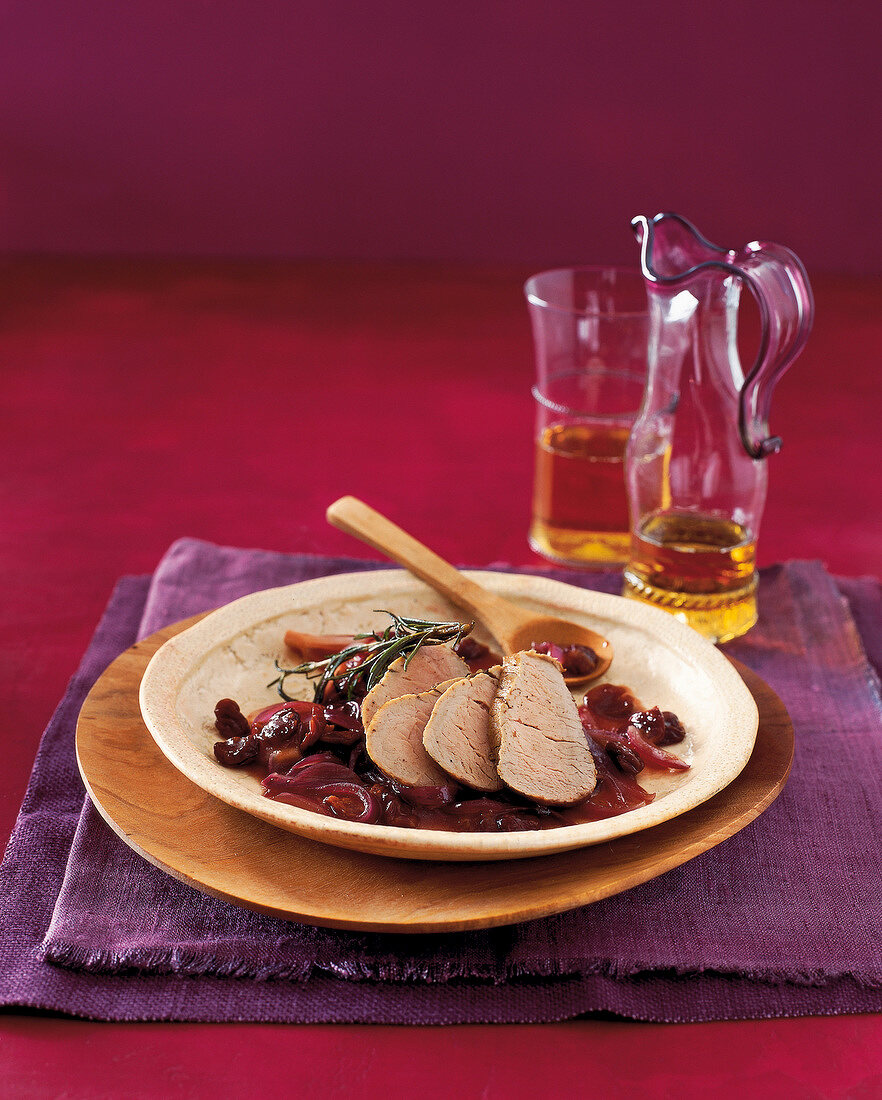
{"x":783,"y":919}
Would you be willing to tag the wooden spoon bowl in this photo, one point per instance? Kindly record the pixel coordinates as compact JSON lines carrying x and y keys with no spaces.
{"x":514,"y":627}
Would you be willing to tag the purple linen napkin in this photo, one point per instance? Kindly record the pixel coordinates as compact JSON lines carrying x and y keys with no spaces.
{"x":782,"y":919}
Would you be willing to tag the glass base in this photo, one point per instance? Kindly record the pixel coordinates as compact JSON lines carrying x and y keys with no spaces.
{"x":719,"y":616}
{"x":583,"y":549}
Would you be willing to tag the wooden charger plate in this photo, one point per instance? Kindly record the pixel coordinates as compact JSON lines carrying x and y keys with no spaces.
{"x":239,"y":858}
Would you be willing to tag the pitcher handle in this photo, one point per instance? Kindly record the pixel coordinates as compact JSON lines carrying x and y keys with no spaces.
{"x":778,"y":282}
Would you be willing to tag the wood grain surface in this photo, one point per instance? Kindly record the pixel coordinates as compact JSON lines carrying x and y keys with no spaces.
{"x":231,"y":855}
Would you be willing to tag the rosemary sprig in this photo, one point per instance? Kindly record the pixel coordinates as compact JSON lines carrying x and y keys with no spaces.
{"x":402,"y":638}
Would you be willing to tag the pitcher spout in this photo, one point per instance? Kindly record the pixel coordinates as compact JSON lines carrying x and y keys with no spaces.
{"x":673,"y":251}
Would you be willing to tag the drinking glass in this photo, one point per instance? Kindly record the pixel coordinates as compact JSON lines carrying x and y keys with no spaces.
{"x":591,"y":333}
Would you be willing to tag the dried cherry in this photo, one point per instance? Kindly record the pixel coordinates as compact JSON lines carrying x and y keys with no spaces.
{"x":233,"y":752}
{"x":229,"y":721}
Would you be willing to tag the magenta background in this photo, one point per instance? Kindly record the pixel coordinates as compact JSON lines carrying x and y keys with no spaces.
{"x":492,"y":130}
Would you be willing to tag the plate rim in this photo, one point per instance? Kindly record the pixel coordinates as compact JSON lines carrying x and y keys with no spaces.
{"x":176,"y":658}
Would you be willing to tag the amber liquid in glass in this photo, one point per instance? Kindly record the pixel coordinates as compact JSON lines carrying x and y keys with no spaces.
{"x":700,"y":568}
{"x":580,"y":507}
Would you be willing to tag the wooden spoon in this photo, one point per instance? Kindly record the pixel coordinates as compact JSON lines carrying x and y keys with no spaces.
{"x":512,"y":626}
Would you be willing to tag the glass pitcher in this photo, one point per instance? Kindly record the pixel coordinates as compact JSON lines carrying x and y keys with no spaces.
{"x":696,"y":457}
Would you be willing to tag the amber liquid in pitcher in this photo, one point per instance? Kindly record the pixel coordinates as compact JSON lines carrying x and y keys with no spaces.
{"x":580,"y":507}
{"x":700,"y":568}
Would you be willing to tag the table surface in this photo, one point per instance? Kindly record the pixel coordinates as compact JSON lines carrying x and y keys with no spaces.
{"x":148,"y":400}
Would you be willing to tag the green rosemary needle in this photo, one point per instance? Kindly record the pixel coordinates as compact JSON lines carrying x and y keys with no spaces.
{"x":402,"y":638}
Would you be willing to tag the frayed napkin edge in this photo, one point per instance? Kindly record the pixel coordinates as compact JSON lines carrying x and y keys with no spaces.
{"x":195,"y":964}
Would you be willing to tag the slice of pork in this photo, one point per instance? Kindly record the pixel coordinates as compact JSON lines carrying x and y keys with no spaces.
{"x":541,"y":748}
{"x":430,"y":665}
{"x":394,"y":738}
{"x":457,"y":735}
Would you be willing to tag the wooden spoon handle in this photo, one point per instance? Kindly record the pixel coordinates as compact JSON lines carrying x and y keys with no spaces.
{"x":356,"y":518}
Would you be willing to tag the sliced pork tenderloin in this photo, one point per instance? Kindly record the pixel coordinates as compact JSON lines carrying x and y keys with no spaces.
{"x":457,"y":735}
{"x":541,"y":748}
{"x":430,"y":665}
{"x":394,"y":738}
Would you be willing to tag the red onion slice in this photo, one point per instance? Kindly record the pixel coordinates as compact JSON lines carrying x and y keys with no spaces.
{"x":350,"y":801}
{"x":651,"y":755}
{"x":300,"y":777}
{"x":345,"y":716}
{"x":430,"y":797}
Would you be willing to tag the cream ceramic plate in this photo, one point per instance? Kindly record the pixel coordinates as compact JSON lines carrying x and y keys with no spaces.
{"x":230,"y":653}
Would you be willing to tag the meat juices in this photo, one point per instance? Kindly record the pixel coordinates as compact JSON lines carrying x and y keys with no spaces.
{"x":394,"y":738}
{"x":457,"y":735}
{"x":428,"y":666}
{"x":541,"y":748}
